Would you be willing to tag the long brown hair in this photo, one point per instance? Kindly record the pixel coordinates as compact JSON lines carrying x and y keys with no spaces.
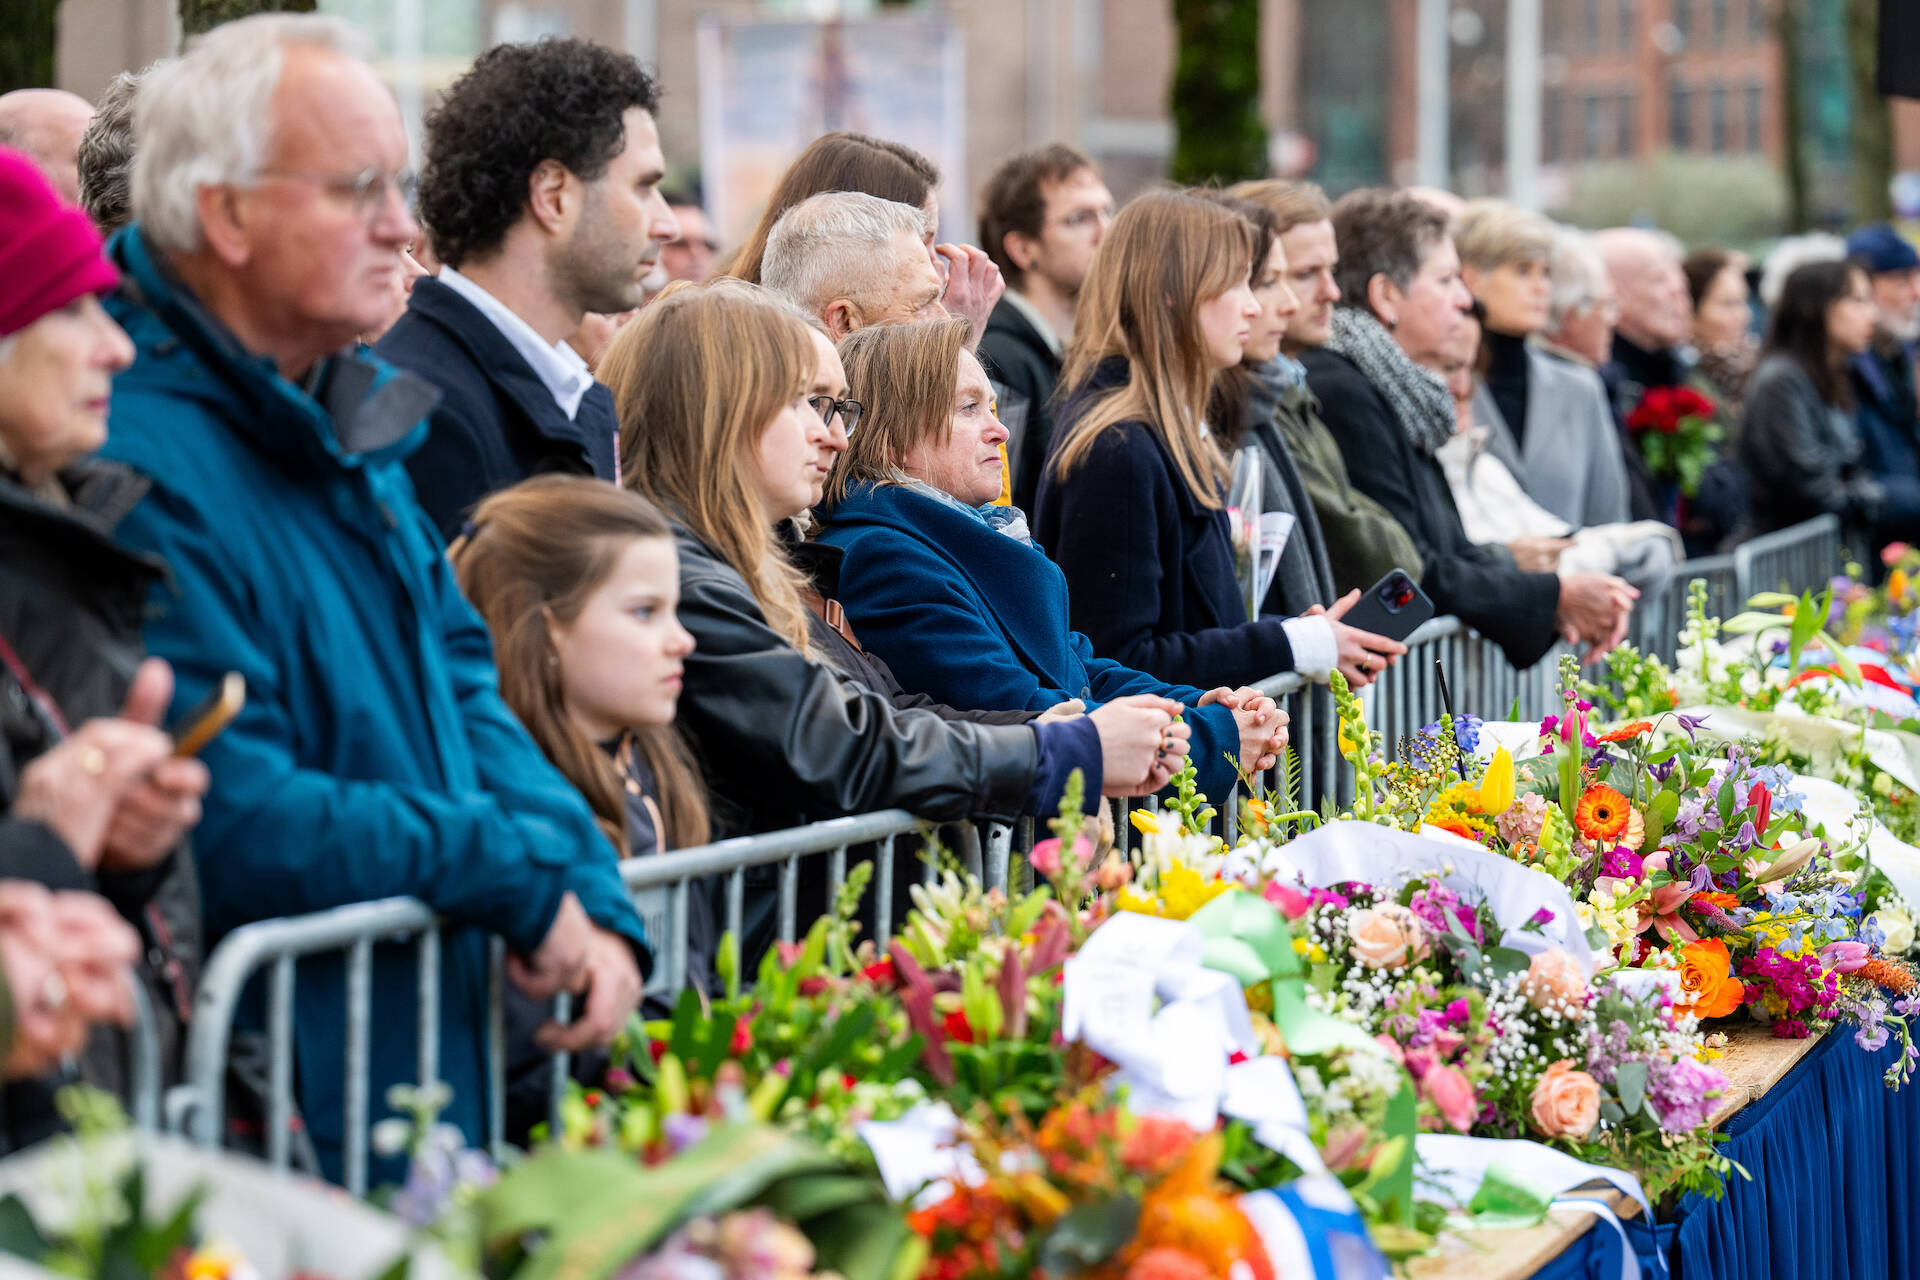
{"x":540,"y":550}
{"x":904,"y":376}
{"x":1229,"y":407}
{"x":1165,"y":254}
{"x":696,"y":377}
{"x":839,"y":162}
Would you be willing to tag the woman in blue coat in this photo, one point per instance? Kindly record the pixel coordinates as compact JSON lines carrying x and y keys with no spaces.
{"x":949,"y":590}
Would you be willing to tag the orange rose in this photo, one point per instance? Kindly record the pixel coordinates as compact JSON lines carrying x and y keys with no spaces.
{"x":1566,"y":1103}
{"x":1708,"y":988}
{"x":1388,"y":937}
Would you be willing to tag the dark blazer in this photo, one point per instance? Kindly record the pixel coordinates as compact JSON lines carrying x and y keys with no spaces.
{"x":1018,"y":358}
{"x":497,"y":423}
{"x":1803,"y":455}
{"x":1479,"y":585}
{"x":1151,"y":570}
{"x":970,"y":616}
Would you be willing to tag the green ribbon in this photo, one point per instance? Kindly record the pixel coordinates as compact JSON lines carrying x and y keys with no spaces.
{"x":1503,"y":1200}
{"x":1247,"y":938}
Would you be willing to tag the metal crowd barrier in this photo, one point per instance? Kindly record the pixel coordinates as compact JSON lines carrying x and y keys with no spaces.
{"x":660,"y":886}
{"x":1662,"y":609}
{"x":1802,"y":558}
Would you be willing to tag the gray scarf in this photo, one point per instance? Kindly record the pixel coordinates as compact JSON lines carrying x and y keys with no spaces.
{"x":1418,"y":395}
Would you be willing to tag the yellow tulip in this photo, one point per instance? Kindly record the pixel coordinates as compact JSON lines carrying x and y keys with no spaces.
{"x":1148,"y":823}
{"x":1496,"y":785}
{"x":1897,"y":585}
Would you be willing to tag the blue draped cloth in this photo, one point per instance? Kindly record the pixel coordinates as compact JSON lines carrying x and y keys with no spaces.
{"x":1832,"y":1151}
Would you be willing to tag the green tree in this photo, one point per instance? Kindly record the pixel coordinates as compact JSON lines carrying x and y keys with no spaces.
{"x":1788,"y":28}
{"x":200,"y":15}
{"x":1870,"y":119}
{"x":1215,"y":100}
{"x":26,"y":45}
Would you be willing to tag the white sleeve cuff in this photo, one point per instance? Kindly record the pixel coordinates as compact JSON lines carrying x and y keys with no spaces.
{"x":1315,"y":652}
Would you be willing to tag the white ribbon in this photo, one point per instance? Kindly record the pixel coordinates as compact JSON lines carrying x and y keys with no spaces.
{"x":1832,"y":806}
{"x":1343,"y":851}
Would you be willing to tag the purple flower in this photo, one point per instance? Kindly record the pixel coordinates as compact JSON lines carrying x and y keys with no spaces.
{"x":1680,"y":1093}
{"x":683,"y":1131}
{"x":1541,"y":918}
{"x":1688,"y":724}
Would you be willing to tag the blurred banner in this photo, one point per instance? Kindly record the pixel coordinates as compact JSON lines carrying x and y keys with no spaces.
{"x":769,"y":88}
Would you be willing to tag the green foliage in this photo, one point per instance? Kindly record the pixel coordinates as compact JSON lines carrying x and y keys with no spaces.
{"x":1215,"y":97}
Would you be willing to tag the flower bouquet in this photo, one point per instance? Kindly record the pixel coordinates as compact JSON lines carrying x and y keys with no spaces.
{"x":1677,"y":434}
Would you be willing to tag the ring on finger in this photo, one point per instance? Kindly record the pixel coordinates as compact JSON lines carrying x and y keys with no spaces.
{"x":92,"y":760}
{"x":53,"y":992}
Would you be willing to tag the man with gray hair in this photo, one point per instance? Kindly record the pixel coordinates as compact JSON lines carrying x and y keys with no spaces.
{"x":106,"y":155}
{"x":374,"y":756}
{"x":854,"y":260}
{"x":1580,"y":320}
{"x":47,"y":124}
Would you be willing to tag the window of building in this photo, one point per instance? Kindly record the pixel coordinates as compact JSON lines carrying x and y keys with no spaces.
{"x":1717,"y":119}
{"x":1759,"y":21}
{"x":1682,"y":17}
{"x":1628,"y":35}
{"x":1756,"y":117}
{"x":1717,"y":22}
{"x":1593,"y":25}
{"x":1552,"y":121}
{"x":1679,"y":117}
{"x":1590,"y":130}
{"x":1626,"y":122}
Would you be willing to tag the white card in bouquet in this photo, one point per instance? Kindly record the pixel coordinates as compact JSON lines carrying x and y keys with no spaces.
{"x":1275,"y":528}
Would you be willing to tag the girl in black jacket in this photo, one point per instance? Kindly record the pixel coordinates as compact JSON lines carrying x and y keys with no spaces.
{"x":1132,"y":502}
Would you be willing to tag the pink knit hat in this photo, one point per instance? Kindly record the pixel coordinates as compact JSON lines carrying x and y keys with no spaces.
{"x":49,"y":252}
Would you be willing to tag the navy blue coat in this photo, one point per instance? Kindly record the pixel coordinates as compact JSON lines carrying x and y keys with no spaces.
{"x":1889,"y":419}
{"x":973,"y":618}
{"x":374,"y":756}
{"x":1151,"y":568}
{"x":497,"y":423}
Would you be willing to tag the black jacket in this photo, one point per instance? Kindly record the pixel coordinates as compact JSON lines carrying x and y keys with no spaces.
{"x":1803,"y":455}
{"x":783,"y":739}
{"x":72,"y":601}
{"x":1019,"y":360}
{"x":1479,"y":585}
{"x":497,"y":423}
{"x":1304,"y":576}
{"x":1150,"y":570}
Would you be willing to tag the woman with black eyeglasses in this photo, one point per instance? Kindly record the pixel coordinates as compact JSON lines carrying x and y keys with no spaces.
{"x":832,"y":635}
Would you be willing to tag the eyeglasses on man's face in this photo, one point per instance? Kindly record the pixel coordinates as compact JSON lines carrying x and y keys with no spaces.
{"x":366,"y":190}
{"x":848,"y":412}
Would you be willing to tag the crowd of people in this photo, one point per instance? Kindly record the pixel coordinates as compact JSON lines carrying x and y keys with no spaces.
{"x":544,"y":535}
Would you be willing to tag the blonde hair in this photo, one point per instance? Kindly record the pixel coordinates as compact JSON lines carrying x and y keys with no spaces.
{"x":1492,"y":233}
{"x":904,"y":376}
{"x":1290,"y":203}
{"x":540,"y":550}
{"x":1165,"y":254}
{"x":696,"y":377}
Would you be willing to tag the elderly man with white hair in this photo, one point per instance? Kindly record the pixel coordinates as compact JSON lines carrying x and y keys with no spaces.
{"x":1581,"y":313}
{"x":854,"y":260}
{"x":374,"y":756}
{"x":47,"y":124}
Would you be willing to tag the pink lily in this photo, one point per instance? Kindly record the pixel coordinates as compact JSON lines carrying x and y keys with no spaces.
{"x":1663,"y":913}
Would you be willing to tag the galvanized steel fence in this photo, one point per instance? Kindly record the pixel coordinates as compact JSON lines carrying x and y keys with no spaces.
{"x":1478,"y":676}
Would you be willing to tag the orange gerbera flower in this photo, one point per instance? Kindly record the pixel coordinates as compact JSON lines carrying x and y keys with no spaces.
{"x":1724,"y":901}
{"x":1626,"y":731}
{"x":1602,"y":815}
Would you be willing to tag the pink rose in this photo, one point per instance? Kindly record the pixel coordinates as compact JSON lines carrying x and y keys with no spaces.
{"x":1294,"y":903}
{"x":1553,"y":976}
{"x":1566,"y":1103}
{"x":1046,"y":856}
{"x":1891,"y":553}
{"x":1448,"y":1089}
{"x":1388,"y":937}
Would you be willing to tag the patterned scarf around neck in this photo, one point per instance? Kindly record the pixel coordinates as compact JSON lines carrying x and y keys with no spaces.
{"x":1418,"y":395}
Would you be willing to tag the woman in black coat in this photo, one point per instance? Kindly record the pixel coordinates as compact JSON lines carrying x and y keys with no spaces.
{"x":1132,"y":502}
{"x":1797,"y":440}
{"x":71,"y":605}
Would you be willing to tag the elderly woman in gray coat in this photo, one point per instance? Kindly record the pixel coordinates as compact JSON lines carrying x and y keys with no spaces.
{"x":1549,"y":419}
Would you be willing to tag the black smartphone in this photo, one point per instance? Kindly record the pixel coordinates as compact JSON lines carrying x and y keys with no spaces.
{"x":1393,"y":607}
{"x":204,"y":720}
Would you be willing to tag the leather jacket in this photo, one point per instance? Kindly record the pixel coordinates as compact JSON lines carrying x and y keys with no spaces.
{"x":783,"y":739}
